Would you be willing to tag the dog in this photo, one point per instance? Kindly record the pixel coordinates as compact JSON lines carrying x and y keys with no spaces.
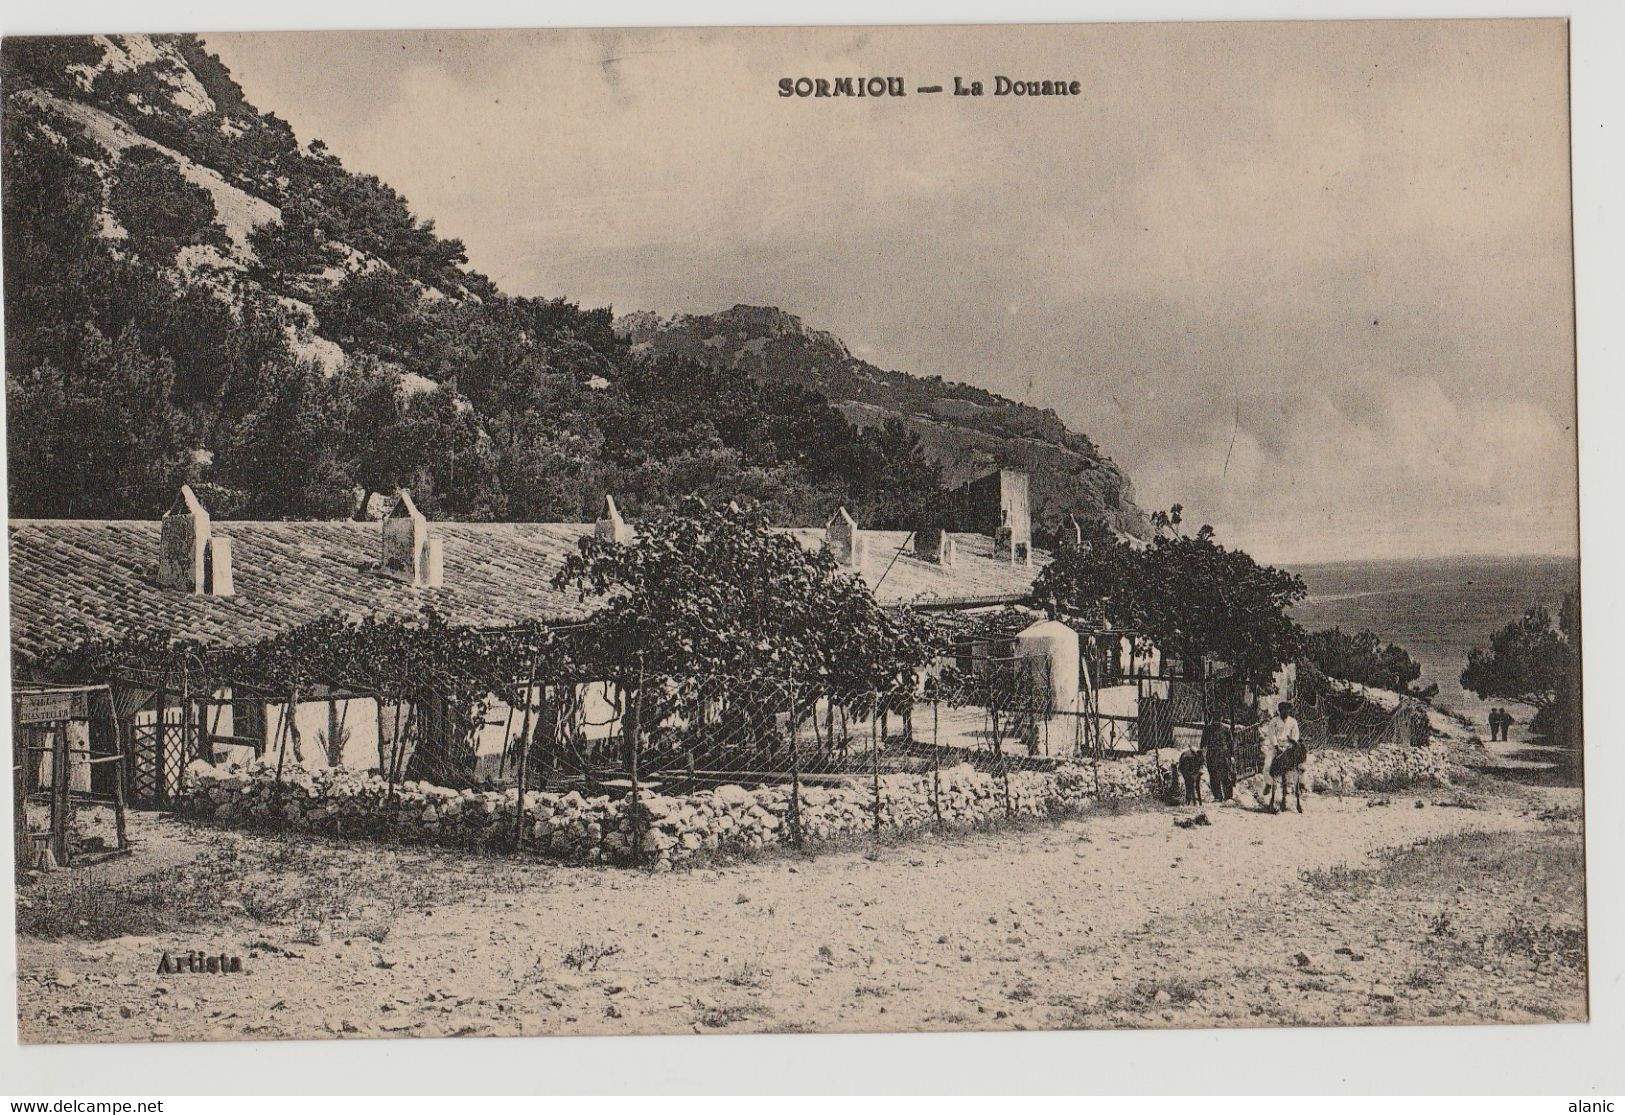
{"x":1190,"y":771}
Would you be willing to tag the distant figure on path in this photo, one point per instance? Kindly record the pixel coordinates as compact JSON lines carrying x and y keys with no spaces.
{"x":1500,"y":722}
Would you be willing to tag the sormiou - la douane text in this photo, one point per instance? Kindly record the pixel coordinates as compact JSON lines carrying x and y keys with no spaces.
{"x":1001,"y":86}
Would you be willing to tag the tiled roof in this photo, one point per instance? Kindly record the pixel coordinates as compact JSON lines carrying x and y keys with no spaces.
{"x":73,"y":577}
{"x":975,"y":577}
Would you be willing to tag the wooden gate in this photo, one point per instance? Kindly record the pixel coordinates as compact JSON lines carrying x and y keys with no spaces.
{"x":162,"y":741}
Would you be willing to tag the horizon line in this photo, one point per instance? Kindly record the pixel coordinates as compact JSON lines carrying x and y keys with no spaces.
{"x":1479,"y":555}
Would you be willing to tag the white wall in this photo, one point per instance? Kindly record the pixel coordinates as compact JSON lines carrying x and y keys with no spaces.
{"x":78,"y":732}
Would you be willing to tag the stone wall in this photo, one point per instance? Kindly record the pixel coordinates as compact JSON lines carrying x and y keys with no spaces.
{"x":574,"y":828}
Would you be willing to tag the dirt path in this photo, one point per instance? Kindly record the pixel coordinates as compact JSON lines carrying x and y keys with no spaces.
{"x":1111,"y":920}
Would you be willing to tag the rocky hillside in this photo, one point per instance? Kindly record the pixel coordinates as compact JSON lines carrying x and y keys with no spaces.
{"x":194,"y":295}
{"x":963,"y":429}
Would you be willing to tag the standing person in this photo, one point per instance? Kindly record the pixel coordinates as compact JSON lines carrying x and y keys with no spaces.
{"x":1506,"y":725}
{"x":1284,"y":754}
{"x":1221,"y":759}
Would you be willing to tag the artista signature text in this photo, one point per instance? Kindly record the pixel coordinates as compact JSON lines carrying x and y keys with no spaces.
{"x":198,"y":963}
{"x":1002,"y":86}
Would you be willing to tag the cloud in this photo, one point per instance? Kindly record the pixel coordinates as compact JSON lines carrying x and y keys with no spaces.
{"x":1410,"y":472}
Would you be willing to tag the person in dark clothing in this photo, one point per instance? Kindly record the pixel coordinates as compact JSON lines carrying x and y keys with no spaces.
{"x":1221,"y":760}
{"x":1499,"y":722}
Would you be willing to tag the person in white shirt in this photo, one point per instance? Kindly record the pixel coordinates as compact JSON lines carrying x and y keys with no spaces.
{"x":1276,"y":736}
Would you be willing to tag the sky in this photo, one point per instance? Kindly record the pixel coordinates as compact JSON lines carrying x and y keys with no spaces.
{"x":1312,"y":281}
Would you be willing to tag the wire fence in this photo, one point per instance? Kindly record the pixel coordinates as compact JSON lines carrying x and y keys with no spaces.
{"x":998,"y":712}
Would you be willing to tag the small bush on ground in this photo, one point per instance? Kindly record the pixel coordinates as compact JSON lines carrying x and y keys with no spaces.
{"x":1153,"y":994}
{"x":1543,"y":943}
{"x":1393,"y":781}
{"x":586,"y":956}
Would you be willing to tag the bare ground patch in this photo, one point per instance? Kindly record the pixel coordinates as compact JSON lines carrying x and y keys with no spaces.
{"x":1117,"y":919}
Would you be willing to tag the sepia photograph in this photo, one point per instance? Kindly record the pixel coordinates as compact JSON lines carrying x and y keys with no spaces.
{"x":785,"y":530}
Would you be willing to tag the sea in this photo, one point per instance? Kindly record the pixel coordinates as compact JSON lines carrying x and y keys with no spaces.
{"x":1436,"y":608}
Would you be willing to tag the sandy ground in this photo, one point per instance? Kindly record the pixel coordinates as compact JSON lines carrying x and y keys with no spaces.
{"x":1364,"y":909}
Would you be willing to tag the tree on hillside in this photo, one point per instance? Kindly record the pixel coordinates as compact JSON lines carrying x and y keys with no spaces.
{"x":376,"y":312}
{"x":455,"y":477}
{"x":43,"y":60}
{"x":545,"y":473}
{"x":292,"y":250}
{"x":388,"y":438}
{"x":285,"y":454}
{"x":58,"y":274}
{"x":1186,"y":594}
{"x":1364,"y":658}
{"x":1534,"y":661}
{"x":160,"y":210}
{"x":894,"y":485}
{"x":98,"y":443}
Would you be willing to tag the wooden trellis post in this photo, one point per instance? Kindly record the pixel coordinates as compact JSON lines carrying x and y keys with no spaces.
{"x":1004,"y":775}
{"x":283,"y":732}
{"x":936,"y":769}
{"x":383,"y":751}
{"x":634,"y":809}
{"x":160,"y":743}
{"x":796,"y":831}
{"x":187,"y":741}
{"x":121,"y":774}
{"x":523,"y":763}
{"x":874,"y":756}
{"x":60,"y":808}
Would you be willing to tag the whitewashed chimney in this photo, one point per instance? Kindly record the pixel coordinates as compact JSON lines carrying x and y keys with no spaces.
{"x":935,"y":545}
{"x":183,"y":544}
{"x":1007,"y":490}
{"x":409,"y":552}
{"x":219,"y":581}
{"x":433,"y":565}
{"x":844,"y":540}
{"x":610,"y":527}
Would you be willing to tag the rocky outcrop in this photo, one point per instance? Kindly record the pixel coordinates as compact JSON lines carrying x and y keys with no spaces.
{"x":966,"y":430}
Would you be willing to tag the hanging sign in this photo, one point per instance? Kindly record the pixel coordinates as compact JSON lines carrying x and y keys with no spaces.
{"x":49,"y":708}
